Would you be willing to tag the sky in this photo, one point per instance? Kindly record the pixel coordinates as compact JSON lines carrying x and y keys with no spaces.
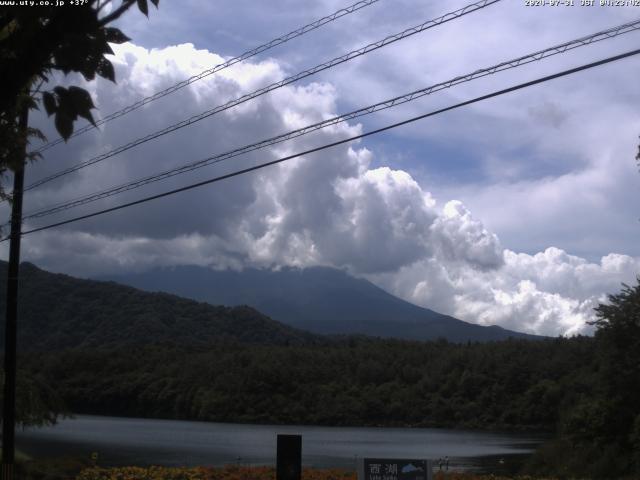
{"x":519,"y":211}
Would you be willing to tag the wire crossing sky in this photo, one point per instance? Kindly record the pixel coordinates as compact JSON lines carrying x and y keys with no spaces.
{"x":519,"y":212}
{"x":244,"y":56}
{"x":334,"y":144}
{"x":473,"y":7}
{"x":389,"y":103}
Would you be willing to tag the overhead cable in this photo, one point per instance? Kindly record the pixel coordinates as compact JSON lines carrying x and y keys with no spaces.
{"x":244,"y":56}
{"x":509,"y":64}
{"x":250,"y":96}
{"x":333,"y":144}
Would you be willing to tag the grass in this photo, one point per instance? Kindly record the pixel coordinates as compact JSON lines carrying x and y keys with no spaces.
{"x":58,"y":468}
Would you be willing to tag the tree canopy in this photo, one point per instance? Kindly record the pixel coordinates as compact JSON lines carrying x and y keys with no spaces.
{"x":38,"y":402}
{"x":603,"y":428}
{"x":36,"y":43}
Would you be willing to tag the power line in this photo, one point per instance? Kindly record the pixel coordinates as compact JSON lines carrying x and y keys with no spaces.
{"x":244,"y":56}
{"x":333,"y":144}
{"x":509,"y":64}
{"x":306,"y":73}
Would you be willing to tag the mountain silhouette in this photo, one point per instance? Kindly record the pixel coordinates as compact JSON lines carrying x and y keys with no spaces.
{"x":318,"y":299}
{"x":57,"y":312}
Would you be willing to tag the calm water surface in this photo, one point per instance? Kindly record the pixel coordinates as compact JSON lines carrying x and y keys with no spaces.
{"x":125,"y":441}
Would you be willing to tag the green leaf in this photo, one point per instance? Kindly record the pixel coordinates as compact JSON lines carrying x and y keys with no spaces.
{"x":142,"y":5}
{"x":114,"y":35}
{"x":49,"y":102}
{"x":71,"y":53}
{"x":105,"y":70}
{"x":66,"y":106}
{"x":81,"y":98}
{"x":106,"y":48}
{"x":61,"y":91}
{"x":31,"y":103}
{"x":82,"y":103}
{"x":89,"y":69}
{"x":33,"y":156}
{"x":37,"y":133}
{"x":64,"y":124}
{"x":88,"y":116}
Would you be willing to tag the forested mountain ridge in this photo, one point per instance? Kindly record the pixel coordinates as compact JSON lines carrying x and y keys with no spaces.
{"x":226,"y":364}
{"x":317,"y":299}
{"x":60,"y":312}
{"x":514,"y":384}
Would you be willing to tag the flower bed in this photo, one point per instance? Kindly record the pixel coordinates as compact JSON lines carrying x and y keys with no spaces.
{"x":206,"y":473}
{"x":245,"y":473}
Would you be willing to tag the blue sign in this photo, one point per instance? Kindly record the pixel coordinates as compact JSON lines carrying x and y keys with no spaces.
{"x":394,"y":469}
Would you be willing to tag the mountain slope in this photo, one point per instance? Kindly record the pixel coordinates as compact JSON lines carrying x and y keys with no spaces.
{"x":320,"y":300}
{"x":58,"y":312}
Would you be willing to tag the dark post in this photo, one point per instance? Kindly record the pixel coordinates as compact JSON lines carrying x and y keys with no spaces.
{"x":10,"y":332}
{"x":289,"y":457}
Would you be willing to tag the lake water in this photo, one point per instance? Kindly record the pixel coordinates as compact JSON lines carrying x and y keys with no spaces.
{"x":127,"y":441}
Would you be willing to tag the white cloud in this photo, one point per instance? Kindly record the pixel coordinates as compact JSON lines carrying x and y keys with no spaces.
{"x":460,"y":237}
{"x":549,"y":293}
{"x":333,"y":208}
{"x":529,"y":309}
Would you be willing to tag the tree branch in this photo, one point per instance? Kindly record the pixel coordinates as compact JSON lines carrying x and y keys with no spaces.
{"x":126,"y":4}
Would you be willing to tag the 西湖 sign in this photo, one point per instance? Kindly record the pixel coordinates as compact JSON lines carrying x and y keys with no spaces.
{"x":394,"y":469}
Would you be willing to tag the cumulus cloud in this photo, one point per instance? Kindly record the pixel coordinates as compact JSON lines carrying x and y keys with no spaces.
{"x":460,"y":237}
{"x":527,"y":308}
{"x":550,"y":293}
{"x":327,"y":208}
{"x":342,"y":207}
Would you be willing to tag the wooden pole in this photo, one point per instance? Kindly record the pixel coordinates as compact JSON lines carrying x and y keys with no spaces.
{"x":10,"y":332}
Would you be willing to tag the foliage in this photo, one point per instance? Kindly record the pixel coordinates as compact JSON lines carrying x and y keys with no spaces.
{"x":355,"y":381}
{"x":37,"y":402}
{"x":563,"y":459}
{"x":58,"y":312}
{"x":206,"y":473}
{"x":602,"y":429}
{"x":247,"y":473}
{"x":56,"y":468}
{"x":620,"y":317}
{"x":13,"y":139}
{"x":114,"y":350}
{"x":35,"y":43}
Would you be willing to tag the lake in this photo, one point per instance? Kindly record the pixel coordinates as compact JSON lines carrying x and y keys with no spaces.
{"x":134,"y":441}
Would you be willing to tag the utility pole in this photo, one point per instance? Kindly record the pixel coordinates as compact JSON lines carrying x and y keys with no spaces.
{"x":10,"y":332}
